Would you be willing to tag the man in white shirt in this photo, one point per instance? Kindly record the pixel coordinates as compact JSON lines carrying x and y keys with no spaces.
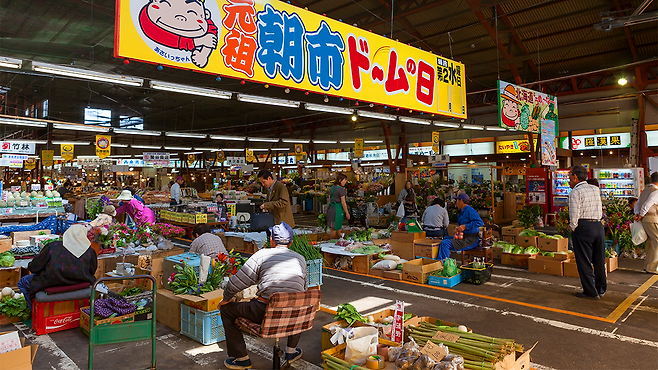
{"x":174,"y":192}
{"x":435,"y":219}
{"x":585,"y":213}
{"x":646,"y":210}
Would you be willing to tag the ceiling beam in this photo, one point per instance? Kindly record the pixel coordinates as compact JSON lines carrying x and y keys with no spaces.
{"x":407,"y":25}
{"x":627,"y":32}
{"x":516,"y":37}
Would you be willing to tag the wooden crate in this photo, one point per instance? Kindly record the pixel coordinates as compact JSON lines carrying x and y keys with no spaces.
{"x":360,"y":264}
{"x":9,"y":276}
{"x":339,"y":351}
{"x":326,"y":332}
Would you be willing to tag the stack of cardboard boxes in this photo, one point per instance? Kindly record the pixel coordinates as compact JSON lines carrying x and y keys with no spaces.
{"x":560,"y":265}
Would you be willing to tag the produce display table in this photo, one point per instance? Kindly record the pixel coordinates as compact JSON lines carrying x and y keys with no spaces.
{"x":7,"y":214}
{"x":360,"y":262}
{"x":188,"y":227}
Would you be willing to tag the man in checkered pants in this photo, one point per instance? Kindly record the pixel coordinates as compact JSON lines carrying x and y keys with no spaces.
{"x":274,"y":270}
{"x":585,"y":213}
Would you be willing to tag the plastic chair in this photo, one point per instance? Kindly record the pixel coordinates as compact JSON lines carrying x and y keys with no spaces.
{"x":287,"y":314}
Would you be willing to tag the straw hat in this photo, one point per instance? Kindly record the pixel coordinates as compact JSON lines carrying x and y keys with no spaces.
{"x":510,"y":94}
{"x":110,"y":210}
{"x":125,"y":195}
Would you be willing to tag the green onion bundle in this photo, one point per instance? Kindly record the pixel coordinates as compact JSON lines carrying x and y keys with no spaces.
{"x":301,"y":245}
{"x":333,"y":363}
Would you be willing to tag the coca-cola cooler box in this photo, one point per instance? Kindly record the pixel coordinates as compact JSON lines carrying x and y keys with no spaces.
{"x":50,"y":317}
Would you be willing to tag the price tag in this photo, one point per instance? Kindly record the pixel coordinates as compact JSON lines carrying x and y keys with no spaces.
{"x":7,"y":210}
{"x":397,"y":333}
{"x":212,"y":207}
{"x":434,"y":351}
{"x":448,"y":337}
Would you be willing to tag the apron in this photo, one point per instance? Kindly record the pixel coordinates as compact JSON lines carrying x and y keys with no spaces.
{"x":339,"y":212}
{"x":462,"y":244}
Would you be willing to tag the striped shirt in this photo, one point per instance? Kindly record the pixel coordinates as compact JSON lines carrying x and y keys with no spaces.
{"x":274,"y":270}
{"x":584,"y":203}
{"x":208,"y":244}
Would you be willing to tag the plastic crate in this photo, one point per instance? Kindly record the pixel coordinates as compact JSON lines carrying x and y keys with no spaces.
{"x":50,"y":317}
{"x":191,"y":259}
{"x":445,"y":281}
{"x":314,"y":273}
{"x":204,"y":327}
{"x":476,"y":276}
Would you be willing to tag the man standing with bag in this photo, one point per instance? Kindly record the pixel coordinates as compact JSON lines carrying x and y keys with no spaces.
{"x":278,"y":200}
{"x":646,"y":210}
{"x":585,"y":213}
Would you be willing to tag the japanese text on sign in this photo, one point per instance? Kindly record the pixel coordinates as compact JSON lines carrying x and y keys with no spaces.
{"x":274,"y":42}
{"x":17,"y":147}
{"x":522,"y":109}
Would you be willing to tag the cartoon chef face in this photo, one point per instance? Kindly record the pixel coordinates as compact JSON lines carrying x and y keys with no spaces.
{"x":185,"y":18}
{"x":510,"y":110}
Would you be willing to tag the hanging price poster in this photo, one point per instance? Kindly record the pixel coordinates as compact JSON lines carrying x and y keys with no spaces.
{"x":30,"y":163}
{"x":220,"y":157}
{"x":103,"y":145}
{"x":249,"y":155}
{"x":523,"y":109}
{"x":299,"y":152}
{"x":277,"y":43}
{"x":191,"y":158}
{"x":66,"y":151}
{"x":358,"y":147}
{"x":435,"y":141}
{"x":47,"y":157}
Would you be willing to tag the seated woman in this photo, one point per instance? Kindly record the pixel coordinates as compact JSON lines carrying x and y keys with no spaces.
{"x":138,"y":211}
{"x":104,"y":218}
{"x":61,"y":263}
{"x":410,"y":209}
{"x":222,"y":210}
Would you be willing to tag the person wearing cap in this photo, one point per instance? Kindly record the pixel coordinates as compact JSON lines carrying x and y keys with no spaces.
{"x":105,"y":218}
{"x":274,"y":270}
{"x":137,"y":210}
{"x":174,"y":192}
{"x":469,"y":223}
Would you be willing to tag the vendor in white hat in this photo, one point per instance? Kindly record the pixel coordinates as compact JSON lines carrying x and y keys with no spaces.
{"x":137,"y":210}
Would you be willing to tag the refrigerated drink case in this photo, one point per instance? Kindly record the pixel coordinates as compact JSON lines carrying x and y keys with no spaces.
{"x":621,"y":182}
{"x":561,"y":189}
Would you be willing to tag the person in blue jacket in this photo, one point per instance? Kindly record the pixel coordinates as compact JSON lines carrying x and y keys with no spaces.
{"x":469,"y":222}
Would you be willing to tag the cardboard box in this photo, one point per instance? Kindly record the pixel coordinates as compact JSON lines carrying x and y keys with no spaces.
{"x":526,"y":241}
{"x":516,"y":259}
{"x":558,"y":257}
{"x":168,"y":309}
{"x":25,"y":235}
{"x":5,"y":244}
{"x":512,"y":230}
{"x":570,"y":268}
{"x":326,"y":332}
{"x":426,"y":248}
{"x":497,"y":252}
{"x":418,"y":270}
{"x":9,"y":276}
{"x":206,"y":302}
{"x":393,"y":274}
{"x":553,"y":245}
{"x":611,"y":264}
{"x":543,"y":266}
{"x":84,"y":320}
{"x":405,"y":237}
{"x":403,"y":250}
{"x":515,"y":361}
{"x":20,"y":359}
{"x":509,"y":239}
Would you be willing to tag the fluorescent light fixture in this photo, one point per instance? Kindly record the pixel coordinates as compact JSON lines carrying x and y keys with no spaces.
{"x":87,"y":156}
{"x":186,"y":134}
{"x":233,"y":150}
{"x":373,"y":141}
{"x":37,"y":142}
{"x":22,"y":122}
{"x":289,"y":167}
{"x":495,"y":128}
{"x":6,"y":62}
{"x":417,"y":121}
{"x":193,"y":153}
{"x":268,"y":101}
{"x":472,"y":127}
{"x":120,"y":156}
{"x":71,"y":142}
{"x":225,"y":137}
{"x":263,"y":140}
{"x":340,"y":165}
{"x":325,"y":142}
{"x":145,"y":146}
{"x":177,"y":148}
{"x":119,"y":145}
{"x":347,"y":142}
{"x":446,"y":124}
{"x":296,"y":141}
{"x":375,"y":115}
{"x":192,"y":90}
{"x":372,"y":164}
{"x":259,"y":150}
{"x":328,"y":109}
{"x":75,"y":127}
{"x":313,"y":166}
{"x":85,"y":74}
{"x":207,"y":149}
{"x":136,"y":132}
{"x":280,"y":149}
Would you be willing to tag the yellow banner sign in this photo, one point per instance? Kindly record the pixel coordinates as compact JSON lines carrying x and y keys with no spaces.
{"x":435,"y":141}
{"x":191,"y":158}
{"x":299,"y":152}
{"x":249,"y":154}
{"x":30,"y":163}
{"x":220,"y":157}
{"x":67,"y":151}
{"x":358,"y":147}
{"x":512,"y":146}
{"x":280,"y":44}
{"x":103,"y":145}
{"x":47,"y":157}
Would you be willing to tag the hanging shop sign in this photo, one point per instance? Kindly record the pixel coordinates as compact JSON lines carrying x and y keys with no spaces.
{"x":512,"y":146}
{"x":249,"y":155}
{"x":66,"y":151}
{"x":299,"y":151}
{"x":17,"y":147}
{"x":277,"y":43}
{"x":523,"y":109}
{"x":548,"y":156}
{"x":15,"y":157}
{"x":47,"y":157}
{"x":156,"y":158}
{"x":435,"y":141}
{"x":131,"y":162}
{"x":358,"y":148}
{"x":30,"y":164}
{"x":103,"y":144}
{"x":191,"y":158}
{"x":220,"y":157}
{"x":607,"y":141}
{"x":236,"y":161}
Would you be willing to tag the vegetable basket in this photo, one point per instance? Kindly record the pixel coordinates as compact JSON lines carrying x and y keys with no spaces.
{"x":477,"y":276}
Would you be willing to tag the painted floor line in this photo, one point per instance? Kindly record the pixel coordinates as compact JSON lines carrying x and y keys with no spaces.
{"x":531,"y":305}
{"x":47,"y":344}
{"x":554,"y":323}
{"x":634,"y":308}
{"x":616,"y":314}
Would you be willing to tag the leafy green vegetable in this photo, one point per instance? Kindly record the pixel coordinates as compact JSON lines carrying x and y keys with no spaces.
{"x":15,"y":308}
{"x":509,"y":248}
{"x":517,"y":250}
{"x":131,"y":291}
{"x":348,"y":313}
{"x":610,"y":253}
{"x":531,"y":233}
{"x":301,"y":245}
{"x":406,"y":316}
{"x":531,"y":250}
{"x":361,"y":235}
{"x":368,"y":249}
{"x":548,"y":254}
{"x":7,"y":259}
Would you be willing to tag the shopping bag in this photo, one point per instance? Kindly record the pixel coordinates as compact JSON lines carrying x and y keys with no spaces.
{"x":261,"y":221}
{"x":638,"y":233}
{"x":362,"y":345}
{"x":400,"y":213}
